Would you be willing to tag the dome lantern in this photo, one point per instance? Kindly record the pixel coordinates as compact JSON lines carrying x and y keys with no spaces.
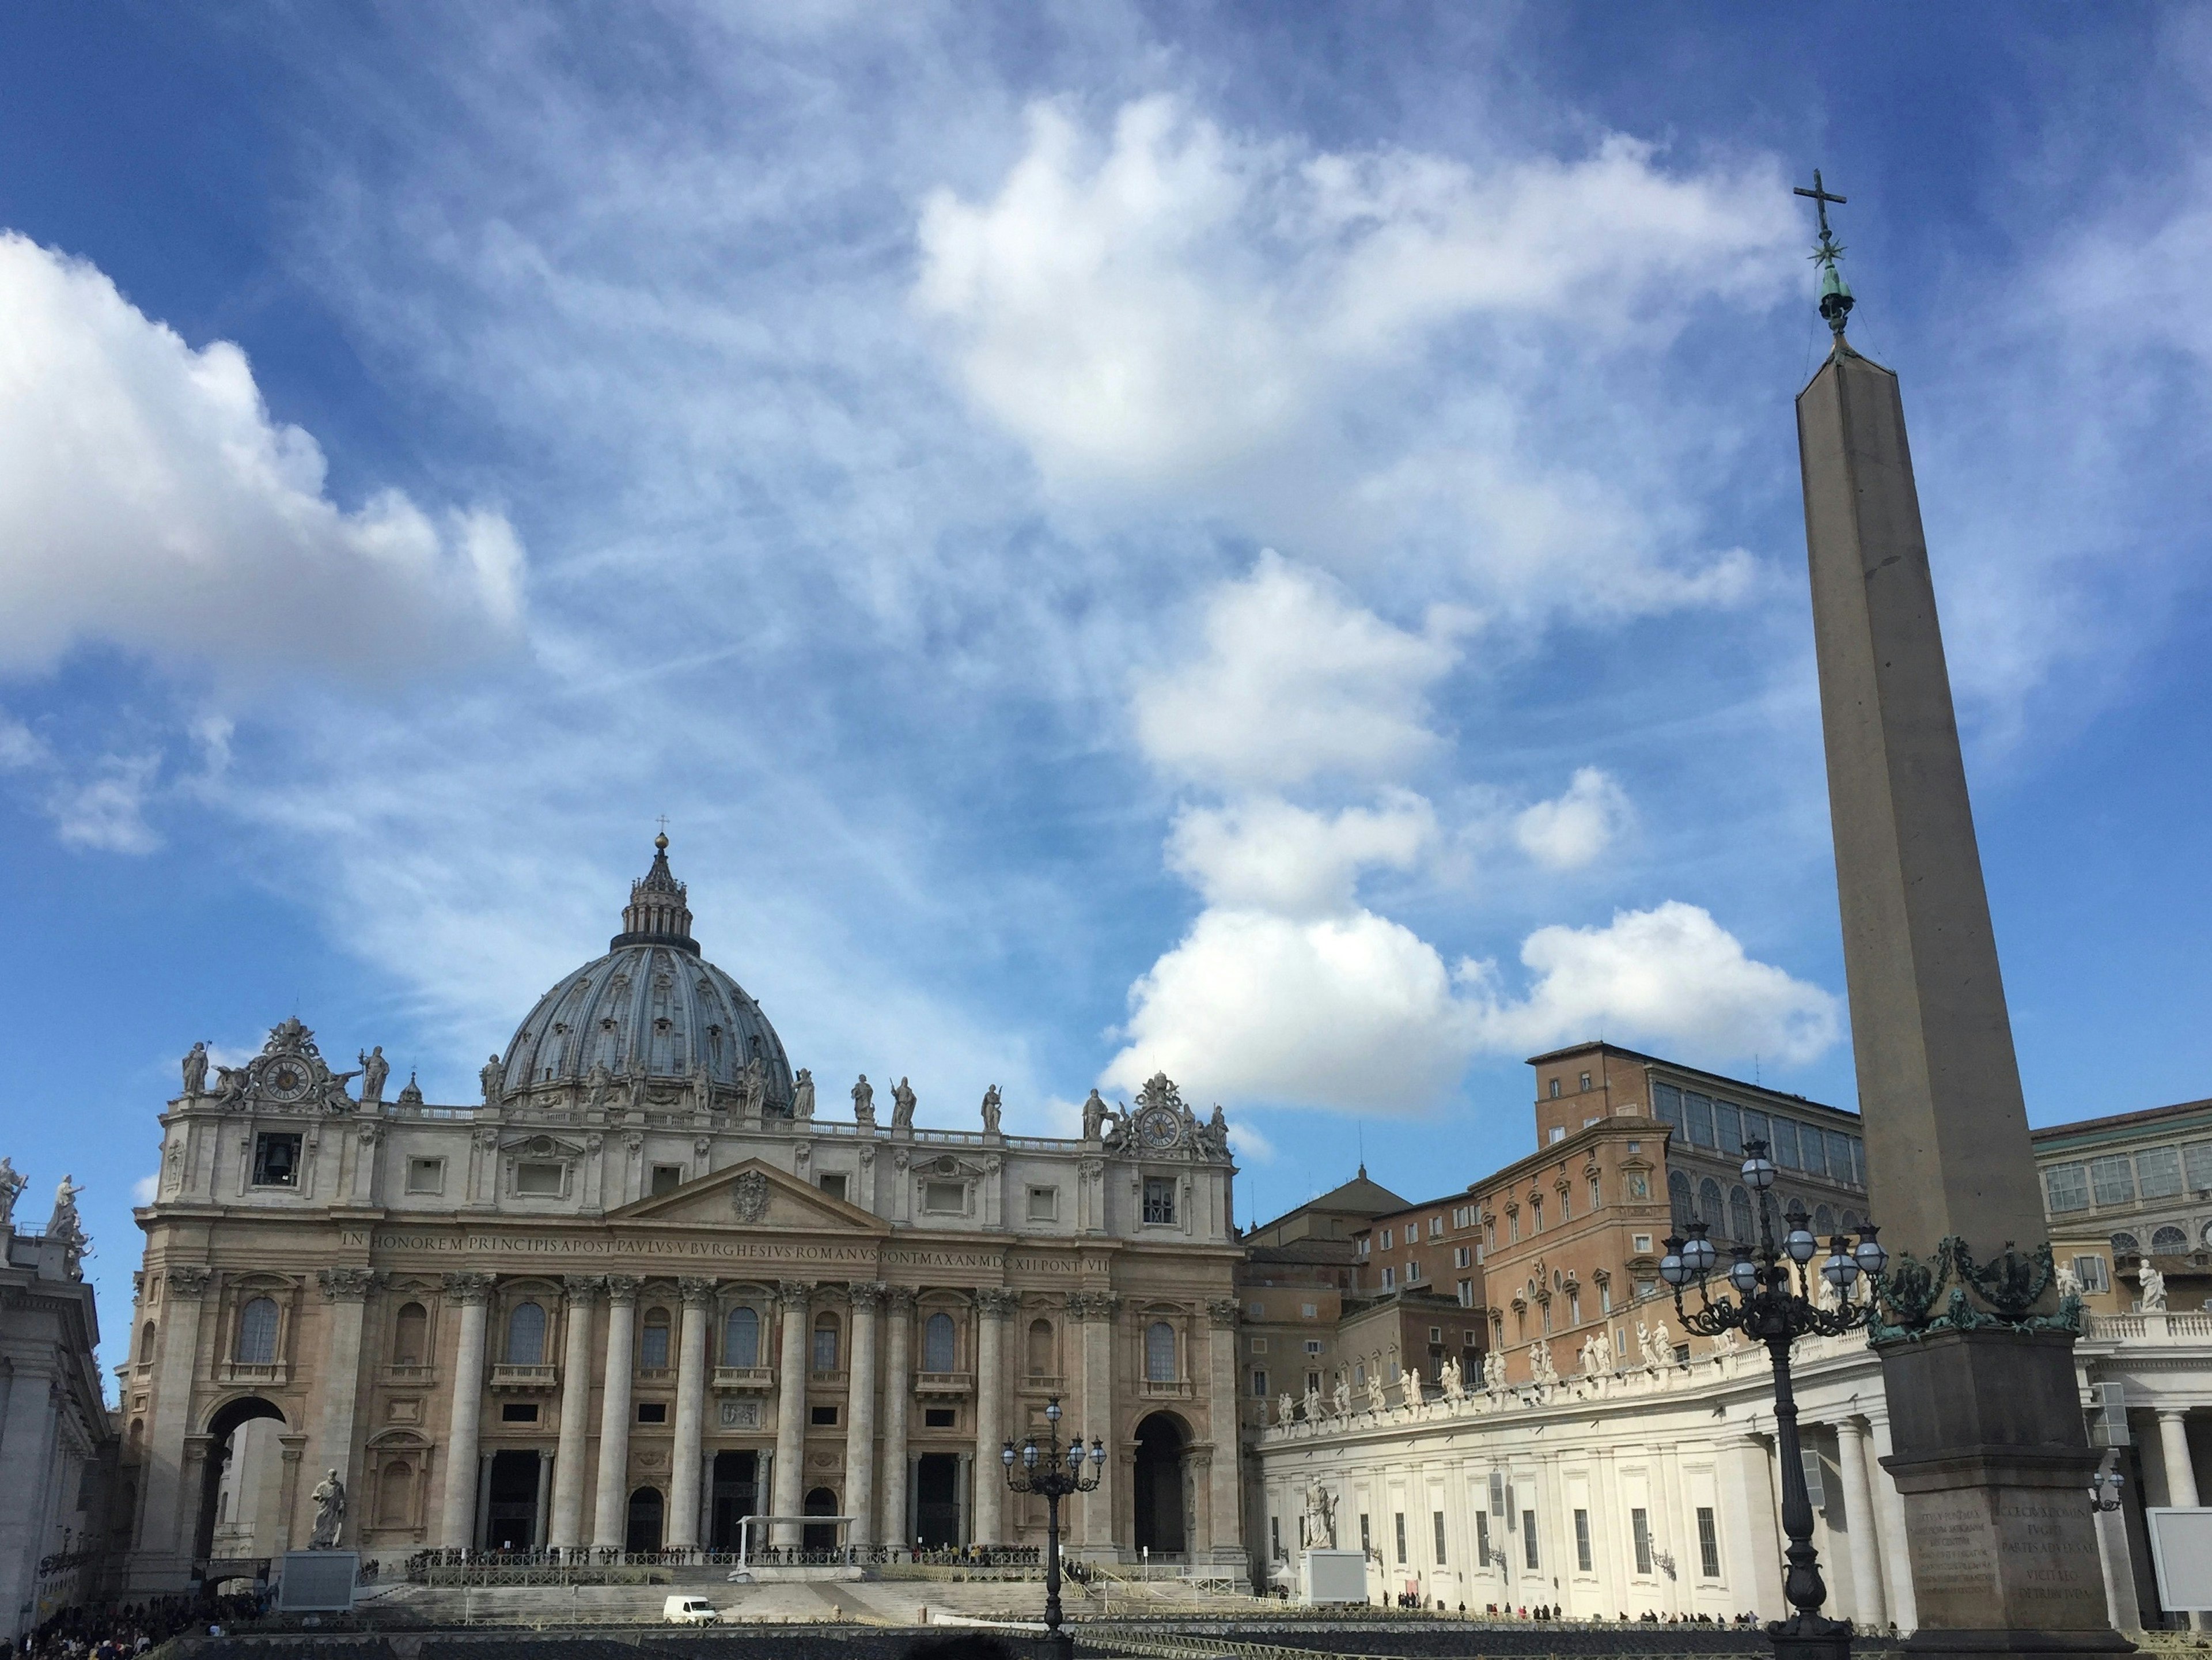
{"x":657,"y":913}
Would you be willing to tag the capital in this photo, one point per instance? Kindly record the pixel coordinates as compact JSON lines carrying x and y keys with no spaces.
{"x":347,"y":1285}
{"x":582,"y":1290}
{"x":696,"y":1293}
{"x":190,"y":1279}
{"x":994,"y":1303}
{"x":468,"y":1287}
{"x":867,"y":1294}
{"x":1224,"y":1311}
{"x":899,"y":1299}
{"x":622,"y":1289}
{"x":794,"y":1293}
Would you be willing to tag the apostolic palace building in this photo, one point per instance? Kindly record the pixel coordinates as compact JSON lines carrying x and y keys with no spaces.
{"x":641,"y":1290}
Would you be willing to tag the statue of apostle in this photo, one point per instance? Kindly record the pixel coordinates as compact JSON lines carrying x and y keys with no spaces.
{"x":902,"y":1105}
{"x":864,"y":1102}
{"x":375,"y":1069}
{"x":196,"y":1065}
{"x":802,"y":1094}
{"x":991,"y":1111}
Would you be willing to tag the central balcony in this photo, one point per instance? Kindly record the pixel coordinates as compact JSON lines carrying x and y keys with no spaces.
{"x":743,"y":1380}
{"x":945,"y":1385}
{"x":522,"y":1380}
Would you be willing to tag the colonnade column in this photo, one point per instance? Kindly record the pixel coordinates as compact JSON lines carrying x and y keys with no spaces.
{"x":346,"y":1292}
{"x":1859,"y":1516}
{"x":1748,"y":1508}
{"x":1095,"y":1309}
{"x":793,"y":1300}
{"x":993,"y":1306}
{"x":1221,"y":1412}
{"x":683,"y":1481}
{"x":1896,"y":1548}
{"x":860,"y":1415}
{"x":457,"y":1523}
{"x":581,"y":1294}
{"x":611,"y":1501}
{"x":2173,"y":1452}
{"x":898,"y":1394}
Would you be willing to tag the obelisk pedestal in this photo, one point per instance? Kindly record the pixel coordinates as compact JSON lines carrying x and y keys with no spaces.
{"x":1989,"y":1450}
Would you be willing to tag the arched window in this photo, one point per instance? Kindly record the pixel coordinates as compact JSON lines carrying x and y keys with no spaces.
{"x":409,"y":1332}
{"x":1823,"y":1222}
{"x":937,"y":1344}
{"x":1851,"y":1221}
{"x":1741,"y":1226}
{"x":257,"y":1333}
{"x":741,"y":1339}
{"x":394,"y":1493}
{"x":653,"y":1353}
{"x":146,"y":1343}
{"x":2126,"y":1244}
{"x":2167,"y":1241}
{"x":1159,"y":1353}
{"x":1041,"y":1348}
{"x":1710,"y":1209}
{"x":525,"y":1335}
{"x":825,"y":1342}
{"x":1686,"y":1207}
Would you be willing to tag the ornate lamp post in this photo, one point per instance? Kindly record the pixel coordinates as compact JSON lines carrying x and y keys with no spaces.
{"x":1046,"y":1470}
{"x":1767,"y":1309}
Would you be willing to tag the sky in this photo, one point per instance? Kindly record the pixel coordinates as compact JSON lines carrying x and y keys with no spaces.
{"x":1259,"y":541}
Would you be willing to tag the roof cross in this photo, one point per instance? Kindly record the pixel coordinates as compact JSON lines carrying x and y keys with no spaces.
{"x":1822,"y":197}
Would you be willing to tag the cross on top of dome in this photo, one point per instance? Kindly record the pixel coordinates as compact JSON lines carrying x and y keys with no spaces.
{"x":657,"y":913}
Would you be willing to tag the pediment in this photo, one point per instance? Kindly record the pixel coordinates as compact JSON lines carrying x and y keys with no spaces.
{"x":754,"y":1195}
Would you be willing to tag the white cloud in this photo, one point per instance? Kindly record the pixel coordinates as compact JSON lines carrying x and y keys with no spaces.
{"x":1573,"y":829}
{"x":148,"y":501}
{"x":1266,"y":855}
{"x":106,"y":811}
{"x":1295,"y":681}
{"x":147,"y":1189}
{"x":1670,"y":976}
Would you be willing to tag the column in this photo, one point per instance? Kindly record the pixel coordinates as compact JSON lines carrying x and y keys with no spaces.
{"x":345,"y":1292}
{"x":1096,"y":1309}
{"x":1896,"y":1549}
{"x":1748,"y":1507}
{"x":162,"y":1557}
{"x":898,"y":1395}
{"x":1859,"y":1517}
{"x":290,"y":1534}
{"x":860,"y":1415}
{"x":698,"y":1297}
{"x":457,"y":1528}
{"x":1221,"y":1411}
{"x":580,"y":1293}
{"x":793,"y":1301}
{"x":992,"y":1307}
{"x":610,"y":1503}
{"x":2173,"y":1453}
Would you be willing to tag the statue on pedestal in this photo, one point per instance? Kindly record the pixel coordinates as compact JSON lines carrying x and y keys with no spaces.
{"x":991,"y":1111}
{"x":864,"y":1102}
{"x":2154,"y":1288}
{"x":1286,"y":1411}
{"x":1493,"y":1369}
{"x":375,"y":1069}
{"x":1540,"y":1363}
{"x":1375,"y":1391}
{"x":902,"y":1105}
{"x":12,"y":1183}
{"x":1343,"y":1398}
{"x":490,"y":1075}
{"x":802,"y":1094}
{"x":196,"y":1065}
{"x":330,"y":1497}
{"x":1319,"y":1522}
{"x":1094,"y":1116}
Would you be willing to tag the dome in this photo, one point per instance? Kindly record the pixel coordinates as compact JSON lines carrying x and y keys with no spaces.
{"x":651,"y":1012}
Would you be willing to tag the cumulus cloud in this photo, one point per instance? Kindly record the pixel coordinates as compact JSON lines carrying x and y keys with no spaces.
{"x":1268,"y":854}
{"x":149,"y":501}
{"x":147,"y":1189}
{"x":1573,"y":829}
{"x":106,"y":810}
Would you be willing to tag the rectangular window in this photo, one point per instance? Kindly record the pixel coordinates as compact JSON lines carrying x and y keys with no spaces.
{"x":1513,"y":1227}
{"x":1366,"y":1542}
{"x":426,"y":1176}
{"x":1698,"y":1111}
{"x":1400,"y":1520}
{"x":1840,"y":1156}
{"x":276,"y":1160}
{"x":1727,"y":1118}
{"x":1160,"y":1200}
{"x":823,"y":1417}
{"x":1482,"y":1538}
{"x":1785,"y":1144}
{"x":1259,"y":1345}
{"x":1412,"y":1270}
{"x":1467,"y":1293}
{"x":940,"y":1418}
{"x":1529,"y":1557}
{"x":1313,"y":1383}
{"x":1498,"y":1493}
{"x":832,"y":1182}
{"x":1558,"y":1132}
{"x":1639,"y":1533}
{"x":944,"y":1198}
{"x":1308,"y":1311}
{"x":1605,"y":1296}
{"x":1858,"y":1160}
{"x":1435,"y":1227}
{"x":1816,"y":1490}
{"x":1044,"y":1204}
{"x":1582,"y":1541}
{"x":1259,"y":1382}
{"x":2066,"y":1187}
{"x":2158,"y":1172}
{"x":666,"y":1178}
{"x":2090,"y":1271}
{"x":653,"y":1411}
{"x":1386,"y":1239}
{"x":2113,"y":1180}
{"x":1389,"y":1278}
{"x":1313,"y":1346}
{"x":1275,"y":1536}
{"x":1709,"y":1544}
{"x":2196,"y":1162}
{"x":1437,"y":1518}
{"x":1462,"y":1257}
{"x":518,"y":1412}
{"x":1755,"y":1125}
{"x":539,"y":1181}
{"x":1258,"y":1310}
{"x":1642,"y":1242}
{"x":1812,"y":1149}
{"x":1666,"y":1101}
{"x":1586,"y":1083}
{"x":1535,"y":1216}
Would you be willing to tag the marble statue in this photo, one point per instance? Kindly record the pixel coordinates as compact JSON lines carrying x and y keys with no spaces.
{"x":64,"y":1225}
{"x":902,"y":1105}
{"x":2070,"y":1283}
{"x":1313,"y":1404}
{"x":1213,"y":1134}
{"x":229,"y":1083}
{"x":375,"y":1069}
{"x":991,"y":1111}
{"x":1319,"y":1522}
{"x":597,"y":1082}
{"x":1725,"y":1343}
{"x":802,"y":1094}
{"x":2154,"y":1288}
{"x":1540,"y":1363}
{"x":1453,"y":1383}
{"x":1286,"y":1411}
{"x":1601,"y":1349}
{"x":330,"y":1497}
{"x":1658,"y":1351}
{"x":752,"y":1084}
{"x":1493,"y":1369}
{"x":864,"y":1102}
{"x":196,"y":1065}
{"x":12,"y":1183}
{"x":490,"y":1075}
{"x":1374,"y":1392}
{"x":1343,"y":1397}
{"x":1094,"y":1116}
{"x":1412,"y":1394}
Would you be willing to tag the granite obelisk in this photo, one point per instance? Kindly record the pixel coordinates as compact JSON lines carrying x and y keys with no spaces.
{"x":1991,"y":1454}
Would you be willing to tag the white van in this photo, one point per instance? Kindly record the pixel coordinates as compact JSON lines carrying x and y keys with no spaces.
{"x":687,"y":1611}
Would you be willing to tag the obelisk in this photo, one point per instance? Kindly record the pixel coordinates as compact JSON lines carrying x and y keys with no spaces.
{"x":1990,"y":1452}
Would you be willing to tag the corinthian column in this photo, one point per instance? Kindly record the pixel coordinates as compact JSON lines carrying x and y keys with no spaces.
{"x":690,"y":1413}
{"x":793,"y":1300}
{"x":861,"y":1416}
{"x":1221,"y":1425}
{"x":898,"y":1393}
{"x":991,"y":1309}
{"x":1095,"y":1309}
{"x":610,"y":1503}
{"x":457,"y":1527}
{"x":346,"y":1290}
{"x":162,"y":1557}
{"x":582,"y":1292}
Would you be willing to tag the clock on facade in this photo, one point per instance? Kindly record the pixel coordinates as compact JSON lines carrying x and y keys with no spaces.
{"x":1159,"y":1128}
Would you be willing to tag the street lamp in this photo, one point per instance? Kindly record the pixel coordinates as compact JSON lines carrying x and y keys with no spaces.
{"x":1766,"y":1309}
{"x":1046,"y":1470}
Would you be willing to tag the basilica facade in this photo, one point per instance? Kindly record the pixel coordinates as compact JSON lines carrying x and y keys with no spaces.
{"x":643,"y":1291}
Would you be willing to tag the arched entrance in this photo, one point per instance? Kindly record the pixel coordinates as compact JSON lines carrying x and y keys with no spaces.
{"x":644,"y":1532}
{"x":1159,"y":1484}
{"x":820,"y":1536}
{"x":937,"y":1501}
{"x":222,"y":1445}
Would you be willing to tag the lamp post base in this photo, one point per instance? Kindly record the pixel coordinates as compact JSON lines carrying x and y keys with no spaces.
{"x":1810,"y":1637}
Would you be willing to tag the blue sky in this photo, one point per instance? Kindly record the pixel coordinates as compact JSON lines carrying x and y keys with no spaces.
{"x":1262,"y":541}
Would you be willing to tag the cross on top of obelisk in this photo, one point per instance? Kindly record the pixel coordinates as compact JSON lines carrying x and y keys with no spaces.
{"x":1836,"y":301}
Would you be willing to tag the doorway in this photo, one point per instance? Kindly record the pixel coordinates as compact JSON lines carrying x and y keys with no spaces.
{"x":820,"y":1536}
{"x":225,"y":1440}
{"x":1159,"y":1497}
{"x":511,"y":1506}
{"x":737,"y":1495}
{"x":644,"y":1533}
{"x":937,"y":1501}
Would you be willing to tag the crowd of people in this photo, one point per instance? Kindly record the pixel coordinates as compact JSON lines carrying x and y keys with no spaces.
{"x":124,"y":1630}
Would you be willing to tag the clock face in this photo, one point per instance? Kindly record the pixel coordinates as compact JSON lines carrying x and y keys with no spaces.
{"x":1158,"y":1127}
{"x":287,"y":1080}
